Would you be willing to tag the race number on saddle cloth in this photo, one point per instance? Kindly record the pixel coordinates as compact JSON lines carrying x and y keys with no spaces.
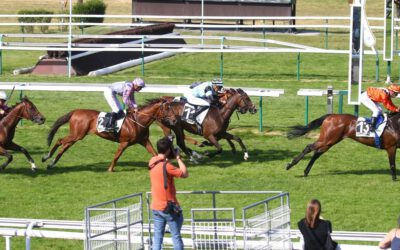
{"x":103,"y":121}
{"x":364,"y":128}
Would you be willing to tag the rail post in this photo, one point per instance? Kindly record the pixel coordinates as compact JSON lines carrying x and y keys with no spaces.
{"x":221,"y":66}
{"x":142,"y":55}
{"x":1,"y":54}
{"x":326,"y":34}
{"x":298,"y":67}
{"x":329,"y":96}
{"x":261,"y":117}
{"x":306,"y":112}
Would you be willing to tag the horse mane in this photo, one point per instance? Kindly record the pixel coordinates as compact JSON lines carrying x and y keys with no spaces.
{"x":393,"y":114}
{"x":149,"y":102}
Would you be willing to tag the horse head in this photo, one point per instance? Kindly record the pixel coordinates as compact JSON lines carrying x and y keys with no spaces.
{"x":160,"y":110}
{"x":166,"y":113}
{"x":30,"y":112}
{"x":245,"y":103}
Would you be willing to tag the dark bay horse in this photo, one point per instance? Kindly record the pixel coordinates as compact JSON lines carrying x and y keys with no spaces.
{"x":215,"y":123}
{"x":135,"y":129}
{"x":335,"y":128}
{"x":23,"y":110}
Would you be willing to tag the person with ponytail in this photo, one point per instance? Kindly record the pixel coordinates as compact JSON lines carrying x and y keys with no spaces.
{"x":316,"y":231}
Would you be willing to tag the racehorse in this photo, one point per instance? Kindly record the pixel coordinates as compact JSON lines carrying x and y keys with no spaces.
{"x":135,"y":129}
{"x":23,"y":110}
{"x":335,"y":128}
{"x":215,"y":123}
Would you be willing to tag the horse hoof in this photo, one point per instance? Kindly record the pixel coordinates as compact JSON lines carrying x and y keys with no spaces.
{"x":288,"y":166}
{"x":44,"y":158}
{"x":50,"y":166}
{"x":246,"y":156}
{"x":34,"y":170}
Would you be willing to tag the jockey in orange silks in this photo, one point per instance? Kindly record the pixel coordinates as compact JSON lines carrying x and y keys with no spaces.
{"x":373,"y":96}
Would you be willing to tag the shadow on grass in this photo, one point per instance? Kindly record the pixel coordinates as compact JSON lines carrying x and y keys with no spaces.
{"x":224,"y":160}
{"x":99,"y":167}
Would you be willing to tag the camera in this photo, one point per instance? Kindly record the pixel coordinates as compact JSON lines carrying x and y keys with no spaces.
{"x":174,"y":151}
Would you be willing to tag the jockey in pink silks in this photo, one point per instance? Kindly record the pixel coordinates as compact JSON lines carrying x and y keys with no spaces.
{"x":127,"y":91}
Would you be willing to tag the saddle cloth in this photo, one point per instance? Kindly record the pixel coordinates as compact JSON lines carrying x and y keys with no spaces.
{"x":102,"y":121}
{"x":363,"y":127}
{"x":188,"y":111}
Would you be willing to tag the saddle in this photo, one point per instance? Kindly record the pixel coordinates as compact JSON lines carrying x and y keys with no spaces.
{"x":103,"y":122}
{"x":194,"y":114}
{"x":363,"y":128}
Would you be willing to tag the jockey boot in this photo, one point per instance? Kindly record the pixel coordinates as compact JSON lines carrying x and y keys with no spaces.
{"x":120,"y":114}
{"x":373,"y":123}
{"x":199,"y":110}
{"x":113,"y":119}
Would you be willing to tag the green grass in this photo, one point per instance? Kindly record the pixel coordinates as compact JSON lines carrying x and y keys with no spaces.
{"x":352,"y":181}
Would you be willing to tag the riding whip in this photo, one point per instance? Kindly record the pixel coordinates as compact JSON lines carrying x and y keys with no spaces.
{"x":12,"y":91}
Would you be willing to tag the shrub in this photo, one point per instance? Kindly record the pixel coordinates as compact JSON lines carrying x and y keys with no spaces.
{"x":90,"y":7}
{"x":30,"y":28}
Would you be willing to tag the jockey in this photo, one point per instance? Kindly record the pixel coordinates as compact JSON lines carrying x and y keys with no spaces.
{"x":373,"y":96}
{"x":204,"y":93}
{"x":127,"y":91}
{"x":3,"y":107}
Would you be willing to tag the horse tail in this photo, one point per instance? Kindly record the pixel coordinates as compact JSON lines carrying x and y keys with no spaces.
{"x":60,"y":121}
{"x":298,"y":130}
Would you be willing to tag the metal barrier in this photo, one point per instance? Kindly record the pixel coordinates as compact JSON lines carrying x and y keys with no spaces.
{"x":267,"y":224}
{"x":115,"y":224}
{"x":264,"y":224}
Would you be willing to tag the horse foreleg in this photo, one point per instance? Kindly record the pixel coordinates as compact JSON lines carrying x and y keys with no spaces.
{"x":214,"y":141}
{"x":230,"y":137}
{"x":147,"y":144}
{"x":16,"y":147}
{"x":9,"y":158}
{"x":120,"y":150}
{"x":298,"y":158}
{"x":392,"y":161}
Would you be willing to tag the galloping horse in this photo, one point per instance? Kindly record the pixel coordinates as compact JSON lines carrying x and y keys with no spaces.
{"x":335,"y":128}
{"x":215,"y":123}
{"x":27,"y":110}
{"x":135,"y":129}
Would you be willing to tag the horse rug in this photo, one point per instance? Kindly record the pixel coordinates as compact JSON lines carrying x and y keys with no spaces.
{"x":189,"y":110}
{"x":363,"y":126}
{"x":103,"y":120}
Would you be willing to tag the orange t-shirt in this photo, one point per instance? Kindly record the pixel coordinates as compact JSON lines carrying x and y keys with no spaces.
{"x":381,"y":95}
{"x":160,"y":195}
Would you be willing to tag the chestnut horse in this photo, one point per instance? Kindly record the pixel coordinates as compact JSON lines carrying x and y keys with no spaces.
{"x":135,"y":129}
{"x":23,"y":110}
{"x":215,"y":123}
{"x":335,"y":128}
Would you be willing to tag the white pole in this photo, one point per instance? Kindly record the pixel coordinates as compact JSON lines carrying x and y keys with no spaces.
{"x":8,"y":242}
{"x":70,"y":38}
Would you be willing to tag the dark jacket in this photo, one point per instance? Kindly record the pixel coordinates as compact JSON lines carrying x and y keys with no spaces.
{"x":315,"y":238}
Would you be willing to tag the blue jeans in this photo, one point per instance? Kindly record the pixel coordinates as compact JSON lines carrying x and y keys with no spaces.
{"x":174,"y":221}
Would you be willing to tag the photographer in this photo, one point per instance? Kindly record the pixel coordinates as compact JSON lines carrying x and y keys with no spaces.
{"x":164,"y":204}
